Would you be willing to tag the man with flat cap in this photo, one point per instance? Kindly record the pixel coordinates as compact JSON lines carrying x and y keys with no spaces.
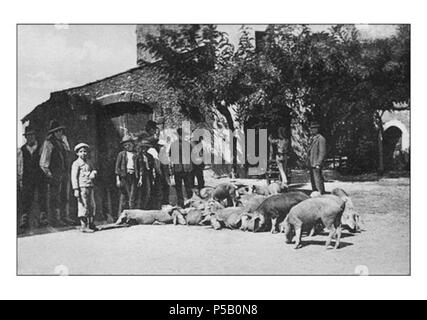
{"x":31,"y":180}
{"x":54,"y":164}
{"x":315,"y":157}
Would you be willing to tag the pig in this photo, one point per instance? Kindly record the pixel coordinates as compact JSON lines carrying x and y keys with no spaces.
{"x":327,"y":209}
{"x":273,"y":210}
{"x":178,"y":216}
{"x":350,"y":217}
{"x":225,"y":191}
{"x":244,"y":190}
{"x":251,"y":202}
{"x":229,"y":217}
{"x":247,"y":223}
{"x":272,"y":188}
{"x":137,"y":216}
{"x":260,"y":190}
{"x":189,"y":216}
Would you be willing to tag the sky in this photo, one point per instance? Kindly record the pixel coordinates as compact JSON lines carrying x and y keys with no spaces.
{"x":56,"y":57}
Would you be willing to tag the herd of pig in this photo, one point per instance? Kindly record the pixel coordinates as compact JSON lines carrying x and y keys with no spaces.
{"x":258,"y":209}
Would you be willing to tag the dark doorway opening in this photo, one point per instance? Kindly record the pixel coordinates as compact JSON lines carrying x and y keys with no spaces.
{"x":392,"y":140}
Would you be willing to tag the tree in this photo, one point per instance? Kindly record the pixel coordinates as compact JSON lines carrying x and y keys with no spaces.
{"x":195,"y":60}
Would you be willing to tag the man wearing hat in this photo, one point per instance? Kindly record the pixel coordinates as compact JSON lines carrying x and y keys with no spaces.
{"x":30,"y":178}
{"x":161,"y":179}
{"x":82,"y":176}
{"x":315,"y":156}
{"x":127,"y":174}
{"x":54,"y":163}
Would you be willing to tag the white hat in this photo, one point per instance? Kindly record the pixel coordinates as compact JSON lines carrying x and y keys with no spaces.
{"x":80,"y":145}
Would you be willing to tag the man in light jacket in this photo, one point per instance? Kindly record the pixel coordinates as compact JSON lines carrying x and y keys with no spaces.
{"x":315,"y":157}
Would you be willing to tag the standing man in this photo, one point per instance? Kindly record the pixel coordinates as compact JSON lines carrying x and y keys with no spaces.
{"x":161,"y":182}
{"x":53,"y":162}
{"x":198,"y":168}
{"x":315,"y":156}
{"x":181,"y":168}
{"x":146,"y":173}
{"x":30,"y":178}
{"x":127,"y":174}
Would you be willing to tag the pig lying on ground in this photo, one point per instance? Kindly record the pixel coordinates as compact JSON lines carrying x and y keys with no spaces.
{"x":137,"y":216}
{"x":328,"y":209}
{"x":274,"y":209}
{"x":228,"y":217}
{"x":188,"y":216}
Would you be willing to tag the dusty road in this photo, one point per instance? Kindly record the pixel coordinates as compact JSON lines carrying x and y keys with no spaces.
{"x":382,"y":249}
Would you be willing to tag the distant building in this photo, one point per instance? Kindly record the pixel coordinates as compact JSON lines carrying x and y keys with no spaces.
{"x":396,"y":139}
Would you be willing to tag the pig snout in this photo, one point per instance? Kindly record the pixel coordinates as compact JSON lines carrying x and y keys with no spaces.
{"x":350,"y":220}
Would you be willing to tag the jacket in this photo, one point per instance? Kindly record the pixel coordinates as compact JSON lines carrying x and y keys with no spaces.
{"x":317,"y":151}
{"x":53,"y":157}
{"x":178,"y":163}
{"x":121,"y":164}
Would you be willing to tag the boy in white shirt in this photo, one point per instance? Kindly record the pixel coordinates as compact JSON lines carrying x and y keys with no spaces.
{"x":82,"y":176}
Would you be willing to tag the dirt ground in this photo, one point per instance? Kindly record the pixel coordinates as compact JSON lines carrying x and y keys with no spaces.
{"x":383,"y":248}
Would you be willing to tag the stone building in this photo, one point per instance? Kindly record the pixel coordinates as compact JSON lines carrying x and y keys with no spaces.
{"x":101,"y":112}
{"x":396,"y":140}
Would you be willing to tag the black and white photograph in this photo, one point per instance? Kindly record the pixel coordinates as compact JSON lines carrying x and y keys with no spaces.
{"x":213,"y":149}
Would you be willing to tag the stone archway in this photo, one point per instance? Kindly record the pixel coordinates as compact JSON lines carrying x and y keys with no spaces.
{"x":405,"y":134}
{"x":392,"y":141}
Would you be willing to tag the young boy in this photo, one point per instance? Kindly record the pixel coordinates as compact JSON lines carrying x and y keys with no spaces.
{"x":82,"y":176}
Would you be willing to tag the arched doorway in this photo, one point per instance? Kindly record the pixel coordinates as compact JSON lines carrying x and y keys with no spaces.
{"x":392,"y":140}
{"x":116,"y":115}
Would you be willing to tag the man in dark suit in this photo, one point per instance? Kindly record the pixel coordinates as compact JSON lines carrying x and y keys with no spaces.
{"x":315,"y":157}
{"x":182,"y":167}
{"x":31,"y":180}
{"x":54,"y":161}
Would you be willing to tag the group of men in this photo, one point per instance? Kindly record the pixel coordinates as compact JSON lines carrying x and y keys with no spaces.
{"x":143,"y":180}
{"x":43,"y":169}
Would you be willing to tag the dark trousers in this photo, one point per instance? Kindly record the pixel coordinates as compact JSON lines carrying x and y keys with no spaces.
{"x":144,"y":192}
{"x":317,"y":181}
{"x":181,"y":177}
{"x":29,"y":188}
{"x":58,"y":196}
{"x":198,"y":174}
{"x":127,"y":192}
{"x":165,"y":185}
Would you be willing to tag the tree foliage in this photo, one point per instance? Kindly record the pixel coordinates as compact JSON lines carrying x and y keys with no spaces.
{"x":292,"y":77}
